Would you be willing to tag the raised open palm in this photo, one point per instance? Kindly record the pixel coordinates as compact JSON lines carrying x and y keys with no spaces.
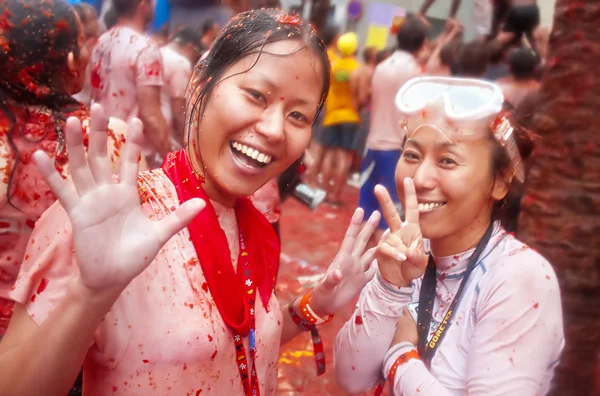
{"x":400,"y":254}
{"x":114,"y":239}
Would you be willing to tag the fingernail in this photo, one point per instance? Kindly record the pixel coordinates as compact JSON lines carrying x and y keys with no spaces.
{"x":401,"y":256}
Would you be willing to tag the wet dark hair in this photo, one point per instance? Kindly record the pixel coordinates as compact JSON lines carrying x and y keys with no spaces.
{"x":411,"y":34}
{"x":35,"y":40}
{"x":473,"y":59}
{"x":328,"y":34}
{"x":247,"y":34}
{"x":523,"y":63}
{"x":507,"y":210}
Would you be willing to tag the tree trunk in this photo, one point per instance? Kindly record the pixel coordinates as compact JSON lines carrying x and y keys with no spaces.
{"x":561,"y":208}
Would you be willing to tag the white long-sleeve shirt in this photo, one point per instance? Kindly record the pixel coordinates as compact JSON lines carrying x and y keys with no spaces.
{"x":506,"y":334}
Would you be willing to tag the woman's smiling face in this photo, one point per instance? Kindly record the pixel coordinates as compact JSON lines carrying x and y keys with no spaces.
{"x":258,"y":119}
{"x":454,"y":182}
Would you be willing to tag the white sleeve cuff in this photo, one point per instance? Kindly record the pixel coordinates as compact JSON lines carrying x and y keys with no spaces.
{"x":392,"y":291}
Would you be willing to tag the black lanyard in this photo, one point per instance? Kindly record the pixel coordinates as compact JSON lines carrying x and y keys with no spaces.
{"x":427,"y":296}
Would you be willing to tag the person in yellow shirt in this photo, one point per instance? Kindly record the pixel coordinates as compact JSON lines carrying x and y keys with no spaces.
{"x":341,"y":122}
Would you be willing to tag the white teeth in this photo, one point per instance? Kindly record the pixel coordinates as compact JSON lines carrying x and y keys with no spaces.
{"x":252,"y":153}
{"x":428,"y":207}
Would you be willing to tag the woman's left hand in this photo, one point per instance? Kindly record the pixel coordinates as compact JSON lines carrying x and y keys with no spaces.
{"x":350,"y":270}
{"x":406,"y":329}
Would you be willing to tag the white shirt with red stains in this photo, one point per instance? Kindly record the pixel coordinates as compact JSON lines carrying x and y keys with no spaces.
{"x":122,"y":61}
{"x":505,"y":338}
{"x":164,"y":334}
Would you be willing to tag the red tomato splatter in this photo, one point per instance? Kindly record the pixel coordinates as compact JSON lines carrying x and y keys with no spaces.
{"x":95,"y":76}
{"x":212,"y":357}
{"x":33,"y":298}
{"x":205,"y":287}
{"x":184,"y":366}
{"x":287,"y":19}
{"x":153,"y":69}
{"x":210,"y":338}
{"x":146,"y":361}
{"x":30,"y":223}
{"x":443,"y":276}
{"x":62,"y":25}
{"x":358,"y":320}
{"x":43,"y":284}
{"x":4,"y":224}
{"x":548,"y":277}
{"x":114,"y":388}
{"x":536,"y":305}
{"x":198,"y":392}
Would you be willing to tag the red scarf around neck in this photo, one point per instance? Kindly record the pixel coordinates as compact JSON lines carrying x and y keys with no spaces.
{"x":213,"y":252}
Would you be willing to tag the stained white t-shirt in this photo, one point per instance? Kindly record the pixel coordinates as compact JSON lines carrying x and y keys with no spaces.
{"x":122,"y":61}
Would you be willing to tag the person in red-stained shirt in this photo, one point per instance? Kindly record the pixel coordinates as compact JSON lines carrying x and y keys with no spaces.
{"x":127,"y":75}
{"x":37,"y":78}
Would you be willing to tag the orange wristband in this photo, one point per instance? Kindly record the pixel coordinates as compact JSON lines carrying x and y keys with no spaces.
{"x":308,"y":312}
{"x":405,"y":357}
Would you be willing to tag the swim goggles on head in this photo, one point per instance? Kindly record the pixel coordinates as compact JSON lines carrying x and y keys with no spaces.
{"x":459,"y":108}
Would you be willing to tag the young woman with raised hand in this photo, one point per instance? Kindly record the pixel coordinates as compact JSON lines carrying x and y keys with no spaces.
{"x":482,"y":314}
{"x":162,"y":283}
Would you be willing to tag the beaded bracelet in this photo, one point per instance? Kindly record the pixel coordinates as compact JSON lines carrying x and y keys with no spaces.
{"x":318,"y":349}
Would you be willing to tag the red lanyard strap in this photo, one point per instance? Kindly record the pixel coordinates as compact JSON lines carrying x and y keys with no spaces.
{"x":318,"y":348}
{"x":249,"y":377}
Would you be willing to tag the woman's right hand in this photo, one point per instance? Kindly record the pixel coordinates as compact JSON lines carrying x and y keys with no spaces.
{"x":400,"y":255}
{"x":114,"y":239}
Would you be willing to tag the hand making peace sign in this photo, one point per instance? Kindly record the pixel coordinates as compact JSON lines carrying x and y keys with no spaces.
{"x":400,"y":255}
